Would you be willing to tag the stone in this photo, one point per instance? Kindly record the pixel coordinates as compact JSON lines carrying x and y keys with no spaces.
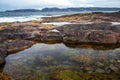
{"x":3,"y":53}
{"x":17,"y":45}
{"x":90,"y":33}
{"x":52,"y":35}
{"x":113,"y":68}
{"x":99,"y":70}
{"x":88,"y":69}
{"x":2,"y":60}
{"x":118,"y":61}
{"x":100,"y":64}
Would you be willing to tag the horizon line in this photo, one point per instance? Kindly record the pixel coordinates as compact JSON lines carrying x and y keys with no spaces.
{"x":53,"y":7}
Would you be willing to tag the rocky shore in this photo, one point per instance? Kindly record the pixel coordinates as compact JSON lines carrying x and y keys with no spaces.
{"x":98,"y":30}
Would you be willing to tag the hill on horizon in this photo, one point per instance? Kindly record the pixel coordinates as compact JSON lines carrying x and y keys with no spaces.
{"x":65,"y":9}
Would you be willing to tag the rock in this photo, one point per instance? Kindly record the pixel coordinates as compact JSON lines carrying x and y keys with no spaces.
{"x":100,"y":64}
{"x":91,"y":36}
{"x":52,"y":36}
{"x":17,"y":45}
{"x":54,"y":30}
{"x":113,"y":68}
{"x":99,"y":70}
{"x":3,"y":52}
{"x":90,"y":33}
{"x":89,"y":69}
{"x":118,"y":61}
{"x":103,"y":37}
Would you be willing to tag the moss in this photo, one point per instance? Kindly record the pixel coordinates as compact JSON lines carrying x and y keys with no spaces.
{"x":76,"y":75}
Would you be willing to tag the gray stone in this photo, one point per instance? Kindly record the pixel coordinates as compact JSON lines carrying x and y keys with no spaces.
{"x":118,"y":61}
{"x":100,"y":64}
{"x":113,"y":68}
{"x":99,"y":70}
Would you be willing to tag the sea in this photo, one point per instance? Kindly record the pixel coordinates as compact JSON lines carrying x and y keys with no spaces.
{"x":28,"y":16}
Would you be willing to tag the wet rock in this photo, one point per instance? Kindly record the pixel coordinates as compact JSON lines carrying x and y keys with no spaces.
{"x":3,"y":52}
{"x":113,"y":68}
{"x":103,"y":37}
{"x":99,"y":70}
{"x":100,"y":64}
{"x":2,"y":60}
{"x":17,"y":45}
{"x":90,"y":33}
{"x":118,"y":61}
{"x":52,"y":35}
{"x":92,"y":36}
{"x":112,"y":61}
{"x":88,"y":69}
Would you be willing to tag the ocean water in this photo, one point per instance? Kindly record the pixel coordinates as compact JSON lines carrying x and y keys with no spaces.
{"x":28,"y":16}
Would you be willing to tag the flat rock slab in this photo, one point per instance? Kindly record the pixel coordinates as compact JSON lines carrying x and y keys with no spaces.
{"x":17,"y":45}
{"x":101,"y":33}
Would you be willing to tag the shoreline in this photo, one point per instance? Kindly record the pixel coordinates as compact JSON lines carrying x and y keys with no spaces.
{"x":98,"y":22}
{"x":98,"y":33}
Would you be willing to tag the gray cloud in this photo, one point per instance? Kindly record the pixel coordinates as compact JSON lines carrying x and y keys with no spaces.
{"x":17,"y":4}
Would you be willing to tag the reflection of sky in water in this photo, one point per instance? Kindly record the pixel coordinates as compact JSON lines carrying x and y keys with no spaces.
{"x":47,"y":57}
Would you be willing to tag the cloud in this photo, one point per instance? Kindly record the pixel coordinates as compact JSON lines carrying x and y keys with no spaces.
{"x":37,"y":2}
{"x":15,"y":4}
{"x":51,"y":2}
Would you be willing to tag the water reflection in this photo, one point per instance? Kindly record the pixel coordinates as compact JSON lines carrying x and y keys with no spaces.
{"x":48,"y":61}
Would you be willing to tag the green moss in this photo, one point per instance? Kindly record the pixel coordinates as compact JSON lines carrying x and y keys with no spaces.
{"x":76,"y":75}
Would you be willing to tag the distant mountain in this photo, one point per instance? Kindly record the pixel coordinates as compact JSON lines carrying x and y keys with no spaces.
{"x":80,"y":9}
{"x":65,"y":9}
{"x":23,"y":10}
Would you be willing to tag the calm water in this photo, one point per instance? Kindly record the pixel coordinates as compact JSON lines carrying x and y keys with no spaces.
{"x":42,"y":60}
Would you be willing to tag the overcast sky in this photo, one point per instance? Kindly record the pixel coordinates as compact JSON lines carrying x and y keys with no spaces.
{"x":38,"y":4}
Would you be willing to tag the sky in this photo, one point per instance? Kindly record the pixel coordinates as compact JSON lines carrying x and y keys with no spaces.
{"x":39,"y":4}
